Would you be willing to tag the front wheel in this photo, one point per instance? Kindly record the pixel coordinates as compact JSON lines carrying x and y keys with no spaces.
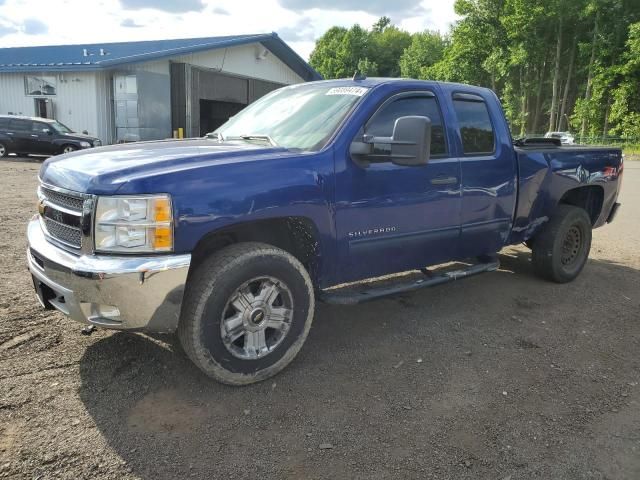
{"x":560,"y":250}
{"x":69,"y":148}
{"x":246,"y":313}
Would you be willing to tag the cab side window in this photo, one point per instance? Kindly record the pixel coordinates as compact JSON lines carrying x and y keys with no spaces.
{"x":4,"y":123}
{"x":476,"y":129}
{"x":381,"y":125}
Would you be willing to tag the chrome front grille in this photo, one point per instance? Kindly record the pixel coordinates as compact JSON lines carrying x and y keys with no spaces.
{"x":62,"y":199}
{"x":63,"y":215}
{"x":72,"y":236}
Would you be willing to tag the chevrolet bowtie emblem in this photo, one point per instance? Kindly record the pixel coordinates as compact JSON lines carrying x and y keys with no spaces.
{"x":41,"y":207}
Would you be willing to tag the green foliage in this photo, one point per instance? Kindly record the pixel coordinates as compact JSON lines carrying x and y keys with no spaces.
{"x":425,"y":50}
{"x":565,"y":64}
{"x":625,"y":111}
{"x":340,"y":51}
{"x":387,"y":46}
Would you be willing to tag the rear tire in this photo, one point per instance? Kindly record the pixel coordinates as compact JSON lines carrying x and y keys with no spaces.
{"x":3,"y":150}
{"x":561,"y":249}
{"x":246,"y":313}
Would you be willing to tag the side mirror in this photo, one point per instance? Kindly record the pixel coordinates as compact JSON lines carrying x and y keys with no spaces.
{"x":409,"y":145}
{"x":48,"y":131}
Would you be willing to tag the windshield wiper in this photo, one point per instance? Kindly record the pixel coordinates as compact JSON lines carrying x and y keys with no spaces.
{"x":259,"y":137}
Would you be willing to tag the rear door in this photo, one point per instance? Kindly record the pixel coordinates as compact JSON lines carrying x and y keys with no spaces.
{"x":20,"y":131}
{"x":488,"y":172}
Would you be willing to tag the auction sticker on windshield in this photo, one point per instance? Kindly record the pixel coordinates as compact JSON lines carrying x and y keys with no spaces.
{"x":357,"y":91}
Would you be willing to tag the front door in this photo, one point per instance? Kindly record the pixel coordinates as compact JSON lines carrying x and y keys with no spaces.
{"x":391,"y":218}
{"x":41,"y":138}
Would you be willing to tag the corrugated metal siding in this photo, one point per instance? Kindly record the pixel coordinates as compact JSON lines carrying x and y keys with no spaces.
{"x":12,"y":97}
{"x":242,"y":61}
{"x":74,"y":103}
{"x":104,"y":107}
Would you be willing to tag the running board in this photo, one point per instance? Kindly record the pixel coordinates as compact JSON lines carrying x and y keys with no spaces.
{"x":348,"y":296}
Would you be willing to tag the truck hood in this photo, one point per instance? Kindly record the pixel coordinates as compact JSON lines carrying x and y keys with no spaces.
{"x":104,"y":170}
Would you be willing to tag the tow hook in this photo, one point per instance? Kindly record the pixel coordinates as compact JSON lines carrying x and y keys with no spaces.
{"x":88,"y":330}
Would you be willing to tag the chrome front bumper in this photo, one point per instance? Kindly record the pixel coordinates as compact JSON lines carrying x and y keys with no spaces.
{"x":119,"y":292}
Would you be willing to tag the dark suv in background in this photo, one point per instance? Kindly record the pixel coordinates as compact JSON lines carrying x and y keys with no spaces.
{"x":40,"y":136}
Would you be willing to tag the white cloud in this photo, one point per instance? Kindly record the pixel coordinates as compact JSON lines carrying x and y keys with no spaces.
{"x":107,"y":21}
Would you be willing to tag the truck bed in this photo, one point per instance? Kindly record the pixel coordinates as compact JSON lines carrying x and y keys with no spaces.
{"x":546,"y":172}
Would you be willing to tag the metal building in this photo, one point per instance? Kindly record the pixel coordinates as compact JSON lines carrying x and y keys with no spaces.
{"x":146,"y":90}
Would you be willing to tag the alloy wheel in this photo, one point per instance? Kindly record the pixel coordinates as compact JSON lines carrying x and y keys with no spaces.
{"x":257,"y":318}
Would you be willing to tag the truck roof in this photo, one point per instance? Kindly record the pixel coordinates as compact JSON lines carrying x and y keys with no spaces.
{"x":376,"y":81}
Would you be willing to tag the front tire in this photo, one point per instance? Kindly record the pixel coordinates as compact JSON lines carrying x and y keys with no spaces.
{"x":68,"y":149}
{"x":3,"y":150}
{"x":246,"y":313}
{"x":561,"y":249}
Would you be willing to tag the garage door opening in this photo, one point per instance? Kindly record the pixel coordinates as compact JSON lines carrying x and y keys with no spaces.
{"x":214,"y":113}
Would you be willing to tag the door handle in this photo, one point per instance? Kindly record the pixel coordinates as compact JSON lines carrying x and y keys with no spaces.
{"x":34,"y":135}
{"x":443,"y":180}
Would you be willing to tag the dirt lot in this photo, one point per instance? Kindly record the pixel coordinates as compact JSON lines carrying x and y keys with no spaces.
{"x":501,"y":376}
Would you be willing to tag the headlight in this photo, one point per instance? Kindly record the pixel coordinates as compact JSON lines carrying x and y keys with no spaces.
{"x":134,"y":224}
{"x":85,"y":144}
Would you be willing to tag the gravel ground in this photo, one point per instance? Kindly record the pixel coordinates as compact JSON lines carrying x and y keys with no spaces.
{"x":500,"y":376}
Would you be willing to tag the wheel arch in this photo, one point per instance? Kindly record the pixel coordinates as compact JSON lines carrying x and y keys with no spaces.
{"x":296,"y":235}
{"x":588,"y":197}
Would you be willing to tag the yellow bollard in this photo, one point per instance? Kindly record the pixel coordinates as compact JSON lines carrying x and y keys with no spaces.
{"x":180,"y":132}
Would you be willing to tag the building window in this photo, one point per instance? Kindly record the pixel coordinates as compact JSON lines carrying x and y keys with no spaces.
{"x":37,"y":86}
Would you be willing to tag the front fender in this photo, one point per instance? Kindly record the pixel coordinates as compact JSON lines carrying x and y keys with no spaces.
{"x":217,"y":197}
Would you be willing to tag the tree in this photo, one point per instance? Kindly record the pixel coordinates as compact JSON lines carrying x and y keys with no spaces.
{"x":426,"y":49}
{"x":555,"y":64}
{"x":338,"y":52}
{"x":625,"y":110}
{"x":386,"y":48}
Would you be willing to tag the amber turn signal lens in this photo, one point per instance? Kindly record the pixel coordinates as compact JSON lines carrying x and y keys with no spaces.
{"x":161,"y":210}
{"x":162,"y":238}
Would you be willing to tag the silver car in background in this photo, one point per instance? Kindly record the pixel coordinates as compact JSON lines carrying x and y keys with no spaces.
{"x":565,"y":137}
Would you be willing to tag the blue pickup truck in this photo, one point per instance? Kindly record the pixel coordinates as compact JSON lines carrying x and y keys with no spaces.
{"x":230,"y":239}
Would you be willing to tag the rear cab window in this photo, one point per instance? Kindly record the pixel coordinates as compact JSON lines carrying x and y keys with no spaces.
{"x":418,"y":103}
{"x":476,"y":129}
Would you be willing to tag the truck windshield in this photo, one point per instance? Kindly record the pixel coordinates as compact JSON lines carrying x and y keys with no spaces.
{"x":300,"y":116}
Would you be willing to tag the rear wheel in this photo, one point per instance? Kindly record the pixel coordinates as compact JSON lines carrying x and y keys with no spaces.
{"x":561,"y":249}
{"x":247,"y":311}
{"x":3,"y":150}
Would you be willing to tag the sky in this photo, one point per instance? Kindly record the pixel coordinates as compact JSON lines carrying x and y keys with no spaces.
{"x":298,"y":22}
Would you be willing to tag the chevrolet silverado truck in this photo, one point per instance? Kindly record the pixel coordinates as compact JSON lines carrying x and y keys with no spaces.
{"x":228,"y":240}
